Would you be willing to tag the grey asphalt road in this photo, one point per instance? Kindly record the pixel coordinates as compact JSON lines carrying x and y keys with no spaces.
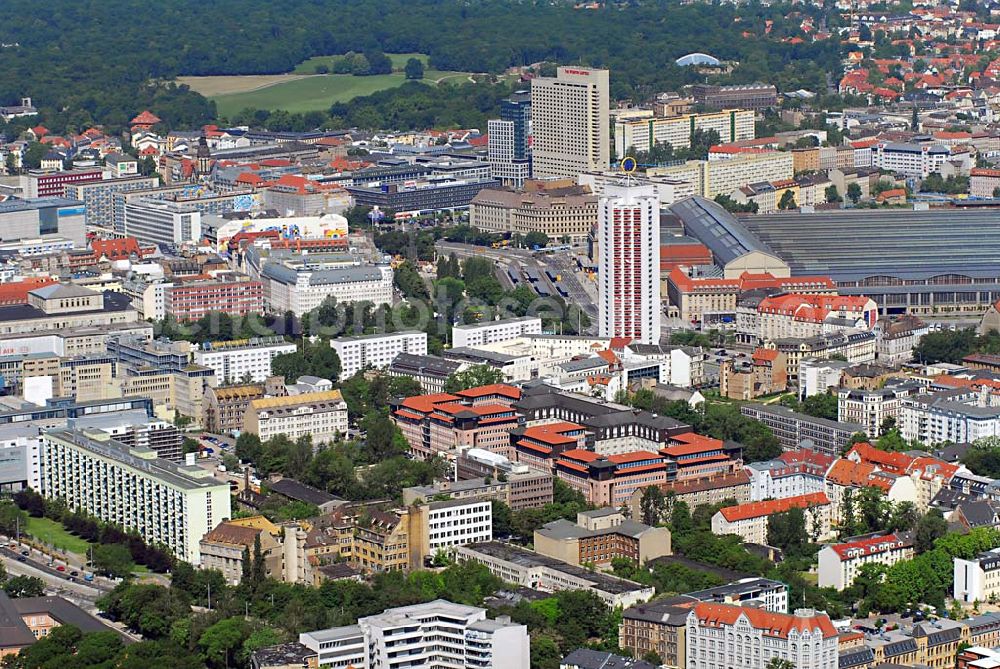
{"x":53,"y":579}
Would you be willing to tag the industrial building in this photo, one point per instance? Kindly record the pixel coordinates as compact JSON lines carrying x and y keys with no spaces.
{"x":936,"y":261}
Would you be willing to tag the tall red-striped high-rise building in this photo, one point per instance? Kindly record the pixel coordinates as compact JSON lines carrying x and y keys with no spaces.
{"x":629,"y":279}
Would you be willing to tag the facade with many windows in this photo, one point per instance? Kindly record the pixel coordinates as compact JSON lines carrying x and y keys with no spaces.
{"x":721,"y":636}
{"x":236,"y":296}
{"x":233,"y":361}
{"x":435,"y":634}
{"x":642,"y":134}
{"x":320,"y":415}
{"x":839,"y":564}
{"x":130,"y":487}
{"x":377,"y":350}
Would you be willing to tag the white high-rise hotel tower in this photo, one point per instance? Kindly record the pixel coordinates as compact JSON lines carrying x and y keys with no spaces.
{"x":629,"y":277}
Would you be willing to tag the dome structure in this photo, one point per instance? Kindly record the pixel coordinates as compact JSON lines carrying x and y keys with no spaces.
{"x":698,"y":59}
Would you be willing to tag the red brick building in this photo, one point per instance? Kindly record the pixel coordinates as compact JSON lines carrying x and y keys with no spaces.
{"x":190,"y":300}
{"x":611,"y":480}
{"x":443,"y":423}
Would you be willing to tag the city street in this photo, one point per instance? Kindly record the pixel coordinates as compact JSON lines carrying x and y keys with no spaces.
{"x":55,"y":581}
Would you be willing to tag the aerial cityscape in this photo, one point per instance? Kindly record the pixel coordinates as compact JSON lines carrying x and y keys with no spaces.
{"x":487,"y":334}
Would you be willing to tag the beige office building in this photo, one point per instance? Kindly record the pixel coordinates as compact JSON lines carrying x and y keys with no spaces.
{"x":714,"y":177}
{"x":559,"y":215}
{"x":320,"y":415}
{"x":570,"y":123}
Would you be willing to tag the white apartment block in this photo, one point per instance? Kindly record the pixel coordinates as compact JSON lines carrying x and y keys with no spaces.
{"x":712,"y":177}
{"x":776,"y":479}
{"x":723,"y":636}
{"x":300,"y":289}
{"x":978,"y":579}
{"x":983,"y":182}
{"x":912,"y":160}
{"x":493,"y":332}
{"x":871,"y":407}
{"x":377,"y":350}
{"x":955,"y":416}
{"x":792,"y":316}
{"x":457,"y":522}
{"x":236,"y":361}
{"x":435,"y":634}
{"x":642,"y":134}
{"x":570,"y":122}
{"x":817,"y":375}
{"x":164,"y":502}
{"x":895,"y":342}
{"x":628,"y":284}
{"x":320,"y":415}
{"x":149,"y":299}
{"x":162,"y":221}
{"x":839,"y":564}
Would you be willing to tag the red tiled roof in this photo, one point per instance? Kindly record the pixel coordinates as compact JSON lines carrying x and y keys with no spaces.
{"x":493,"y":389}
{"x":772,"y":624}
{"x":16,"y":292}
{"x":412,"y":415}
{"x":426,"y":403}
{"x":632,"y":456}
{"x":145,"y":118}
{"x":573,"y":465}
{"x":869,"y":546}
{"x":897,"y":463}
{"x":771,"y":507}
{"x":619,"y":343}
{"x":765,"y":354}
{"x":581,"y":455}
{"x":609,"y":356}
{"x":553,"y":433}
{"x":690,"y":443}
{"x":535,"y":447}
{"x":806,"y":455}
{"x":848,"y":473}
{"x":116,"y":249}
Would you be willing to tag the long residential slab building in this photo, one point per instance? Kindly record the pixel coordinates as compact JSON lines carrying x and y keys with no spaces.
{"x":164,"y":502}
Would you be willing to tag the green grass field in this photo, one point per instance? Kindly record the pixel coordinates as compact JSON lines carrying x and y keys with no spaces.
{"x":317,"y":93}
{"x":53,"y":533}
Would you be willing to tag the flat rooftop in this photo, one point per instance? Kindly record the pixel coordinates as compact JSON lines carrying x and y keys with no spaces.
{"x":855,"y":244}
{"x":851,"y":245}
{"x":526,"y":558}
{"x":158,"y":468}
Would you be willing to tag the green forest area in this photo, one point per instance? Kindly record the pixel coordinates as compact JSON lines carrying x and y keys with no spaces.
{"x":101,"y":62}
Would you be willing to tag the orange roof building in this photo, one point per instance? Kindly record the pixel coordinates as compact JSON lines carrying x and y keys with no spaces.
{"x":443,"y":423}
{"x":839,"y":564}
{"x":144,"y":121}
{"x":16,"y":292}
{"x":750,"y":520}
{"x":610,"y":480}
{"x":764,"y":635}
{"x":695,"y":296}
